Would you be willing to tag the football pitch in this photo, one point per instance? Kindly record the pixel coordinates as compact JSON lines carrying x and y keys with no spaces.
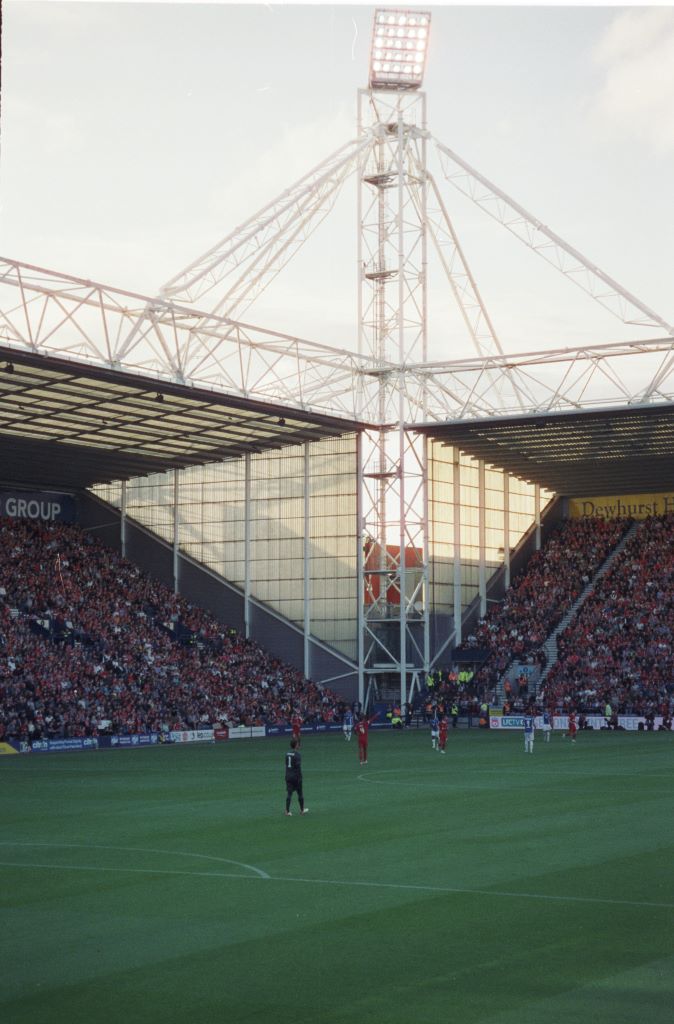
{"x":166,"y":884}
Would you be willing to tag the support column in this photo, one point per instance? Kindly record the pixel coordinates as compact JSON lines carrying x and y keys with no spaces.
{"x":456,"y":496}
{"x":360,"y":584}
{"x":402,"y":565}
{"x":426,"y":588}
{"x":537,"y":501}
{"x":482,"y":537}
{"x":506,"y":529}
{"x":307,"y":563}
{"x":176,"y":533}
{"x":246,"y":546}
{"x":122,"y":520}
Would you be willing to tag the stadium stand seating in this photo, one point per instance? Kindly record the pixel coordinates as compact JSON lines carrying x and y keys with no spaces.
{"x":89,"y":645}
{"x":539,"y":598}
{"x":618,"y":649}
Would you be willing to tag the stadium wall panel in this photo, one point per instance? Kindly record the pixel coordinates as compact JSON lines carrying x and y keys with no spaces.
{"x":154,"y":558}
{"x":102,"y":520}
{"x":205,"y":590}
{"x":217,"y":595}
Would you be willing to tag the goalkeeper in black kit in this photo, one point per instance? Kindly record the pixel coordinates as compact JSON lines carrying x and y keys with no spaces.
{"x":294,"y":778}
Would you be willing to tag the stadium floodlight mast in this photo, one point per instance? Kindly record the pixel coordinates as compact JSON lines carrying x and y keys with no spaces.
{"x":392,"y":256}
{"x":399,"y":47}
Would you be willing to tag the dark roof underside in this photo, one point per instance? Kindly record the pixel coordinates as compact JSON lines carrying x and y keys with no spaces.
{"x":623,"y":450}
{"x":68,"y":425}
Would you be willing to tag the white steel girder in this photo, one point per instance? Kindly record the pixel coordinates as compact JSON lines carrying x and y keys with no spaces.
{"x":53,"y":313}
{"x":467,"y":296}
{"x":589,"y":376}
{"x":546,"y":244}
{"x":56,"y":314}
{"x":259,"y":248}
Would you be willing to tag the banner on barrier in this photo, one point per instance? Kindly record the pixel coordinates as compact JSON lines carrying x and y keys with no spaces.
{"x":246,"y":732}
{"x":192,"y":736}
{"x":510,"y":721}
{"x":54,"y":746}
{"x":630,"y":723}
{"x":141,"y":740}
{"x":285,"y":730}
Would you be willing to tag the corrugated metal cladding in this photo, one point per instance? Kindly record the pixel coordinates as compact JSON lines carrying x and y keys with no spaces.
{"x":70,"y":425}
{"x":627,"y":449}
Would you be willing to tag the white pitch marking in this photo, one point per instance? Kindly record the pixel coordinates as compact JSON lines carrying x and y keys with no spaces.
{"x":478,"y":892}
{"x":137,"y":849}
{"x":128,"y":871}
{"x":462,"y":779}
{"x":545,"y":897}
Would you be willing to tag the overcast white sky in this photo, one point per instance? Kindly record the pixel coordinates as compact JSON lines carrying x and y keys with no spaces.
{"x":134,"y":136}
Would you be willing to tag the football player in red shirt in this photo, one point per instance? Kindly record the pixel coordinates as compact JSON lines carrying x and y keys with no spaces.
{"x":442,"y":738}
{"x":296,"y":723}
{"x":362,"y":727}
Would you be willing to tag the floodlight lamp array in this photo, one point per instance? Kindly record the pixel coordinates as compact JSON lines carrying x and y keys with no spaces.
{"x":399,"y":46}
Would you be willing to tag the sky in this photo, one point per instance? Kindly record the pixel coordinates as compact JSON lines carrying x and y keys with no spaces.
{"x":134,"y":136}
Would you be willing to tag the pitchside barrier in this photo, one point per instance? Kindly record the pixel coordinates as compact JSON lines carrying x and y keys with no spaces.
{"x":240,"y":732}
{"x":631,"y":723}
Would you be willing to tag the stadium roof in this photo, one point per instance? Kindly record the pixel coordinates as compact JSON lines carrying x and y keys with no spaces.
{"x":599,"y":452}
{"x":70,"y":425}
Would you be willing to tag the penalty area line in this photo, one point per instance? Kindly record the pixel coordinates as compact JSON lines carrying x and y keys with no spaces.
{"x":474,"y":892}
{"x":350,"y":883}
{"x":132,"y":871}
{"x":139,"y":849}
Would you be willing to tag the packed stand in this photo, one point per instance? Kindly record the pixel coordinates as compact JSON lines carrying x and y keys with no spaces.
{"x":89,"y":644}
{"x":538,"y":599}
{"x":618,"y":651}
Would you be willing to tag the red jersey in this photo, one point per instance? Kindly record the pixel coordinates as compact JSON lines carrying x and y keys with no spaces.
{"x":296,"y":723}
{"x":363,"y":727}
{"x":443,"y":730}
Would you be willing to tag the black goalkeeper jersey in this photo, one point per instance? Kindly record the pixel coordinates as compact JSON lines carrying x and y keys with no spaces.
{"x":293,"y":766}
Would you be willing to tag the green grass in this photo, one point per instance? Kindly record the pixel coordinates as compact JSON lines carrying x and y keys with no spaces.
{"x":484,"y":886}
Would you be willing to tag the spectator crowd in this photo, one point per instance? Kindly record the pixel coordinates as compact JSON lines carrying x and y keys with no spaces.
{"x":89,"y":644}
{"x":618,"y":650}
{"x":541,"y":595}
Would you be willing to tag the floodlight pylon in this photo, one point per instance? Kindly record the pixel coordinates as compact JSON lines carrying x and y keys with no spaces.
{"x":393,"y":299}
